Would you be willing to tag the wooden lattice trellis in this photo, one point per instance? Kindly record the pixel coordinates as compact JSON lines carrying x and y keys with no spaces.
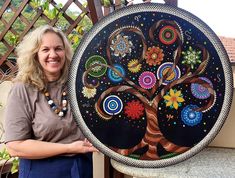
{"x":7,"y":58}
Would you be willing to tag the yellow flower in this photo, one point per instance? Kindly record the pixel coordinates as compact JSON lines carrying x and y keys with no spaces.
{"x":134,"y":66}
{"x":174,"y":99}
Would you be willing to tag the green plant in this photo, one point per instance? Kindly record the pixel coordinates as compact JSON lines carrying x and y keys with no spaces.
{"x":76,"y":36}
{"x":50,"y":12}
{"x":106,"y":3}
{"x":109,"y":3}
{"x":4,"y":155}
{"x":14,"y":39}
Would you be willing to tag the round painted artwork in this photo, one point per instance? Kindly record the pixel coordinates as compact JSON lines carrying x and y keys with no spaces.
{"x":150,"y":85}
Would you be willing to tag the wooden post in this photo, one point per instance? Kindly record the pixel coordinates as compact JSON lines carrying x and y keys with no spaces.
{"x":95,"y":9}
{"x":118,"y":4}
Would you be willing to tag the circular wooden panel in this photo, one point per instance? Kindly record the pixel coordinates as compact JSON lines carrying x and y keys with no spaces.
{"x":150,"y":85}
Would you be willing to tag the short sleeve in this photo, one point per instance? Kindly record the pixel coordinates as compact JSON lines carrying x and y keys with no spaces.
{"x":17,"y":116}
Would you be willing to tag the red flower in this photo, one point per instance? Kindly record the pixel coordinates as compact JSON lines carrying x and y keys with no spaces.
{"x":134,"y":109}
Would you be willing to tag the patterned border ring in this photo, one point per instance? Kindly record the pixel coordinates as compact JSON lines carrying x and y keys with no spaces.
{"x":98,"y":70}
{"x":112,"y":105}
{"x":167,"y":35}
{"x":163,"y":70}
{"x":147,"y":80}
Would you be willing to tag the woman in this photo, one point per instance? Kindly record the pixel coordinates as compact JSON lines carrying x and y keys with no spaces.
{"x":39,"y":125}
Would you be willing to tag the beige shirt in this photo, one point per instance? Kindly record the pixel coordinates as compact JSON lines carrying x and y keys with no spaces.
{"x":28,"y":116}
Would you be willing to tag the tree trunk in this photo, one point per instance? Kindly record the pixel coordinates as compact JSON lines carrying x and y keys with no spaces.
{"x":153,"y":136}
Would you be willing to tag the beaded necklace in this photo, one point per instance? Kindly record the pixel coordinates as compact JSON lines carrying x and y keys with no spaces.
{"x":60,"y":111}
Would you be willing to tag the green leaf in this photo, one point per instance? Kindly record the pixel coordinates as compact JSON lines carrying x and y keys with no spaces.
{"x":76,"y":39}
{"x":35,"y":3}
{"x":45,"y":6}
{"x":106,"y":3}
{"x":79,"y":29}
{"x":54,"y":12}
{"x":15,"y":165}
{"x":4,"y":155}
{"x":59,"y":6}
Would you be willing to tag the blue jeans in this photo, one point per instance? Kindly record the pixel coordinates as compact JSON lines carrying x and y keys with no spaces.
{"x":79,"y":166}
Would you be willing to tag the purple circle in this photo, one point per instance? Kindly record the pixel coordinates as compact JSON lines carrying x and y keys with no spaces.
{"x":147,"y":80}
{"x":200,"y":91}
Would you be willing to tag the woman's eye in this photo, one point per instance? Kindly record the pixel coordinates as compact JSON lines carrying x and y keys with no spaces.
{"x":59,"y":49}
{"x":44,"y":50}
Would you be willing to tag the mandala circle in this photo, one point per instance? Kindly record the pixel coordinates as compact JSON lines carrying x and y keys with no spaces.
{"x":200,"y":91}
{"x":191,"y":117}
{"x":147,"y":80}
{"x":121,"y":45}
{"x":113,"y":76}
{"x":112,"y":105}
{"x":164,"y":68}
{"x":98,"y":70}
{"x":167,"y":35}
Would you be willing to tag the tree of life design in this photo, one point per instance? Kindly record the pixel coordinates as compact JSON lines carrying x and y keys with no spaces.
{"x":154,"y":79}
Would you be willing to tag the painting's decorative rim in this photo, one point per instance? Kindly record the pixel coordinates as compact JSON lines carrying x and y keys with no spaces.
{"x":153,"y":7}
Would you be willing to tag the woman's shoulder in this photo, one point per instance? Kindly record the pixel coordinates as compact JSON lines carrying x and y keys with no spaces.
{"x":20,"y":86}
{"x":22,"y":89}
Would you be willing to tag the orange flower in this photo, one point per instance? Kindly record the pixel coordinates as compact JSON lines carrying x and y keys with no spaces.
{"x":154,"y":56}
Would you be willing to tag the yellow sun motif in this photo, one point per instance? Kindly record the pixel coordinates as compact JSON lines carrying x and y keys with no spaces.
{"x":89,"y":92}
{"x":174,"y":99}
{"x":134,"y":66}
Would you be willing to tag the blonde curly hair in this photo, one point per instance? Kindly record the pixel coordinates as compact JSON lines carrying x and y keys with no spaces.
{"x":29,"y":68}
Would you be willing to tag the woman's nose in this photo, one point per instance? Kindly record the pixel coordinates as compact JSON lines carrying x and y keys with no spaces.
{"x":52,"y":53}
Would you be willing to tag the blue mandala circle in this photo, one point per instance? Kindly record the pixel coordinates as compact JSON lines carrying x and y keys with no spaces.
{"x":199,"y":91}
{"x":164,"y":68}
{"x":113,"y":76}
{"x":191,"y":117}
{"x":112,"y":105}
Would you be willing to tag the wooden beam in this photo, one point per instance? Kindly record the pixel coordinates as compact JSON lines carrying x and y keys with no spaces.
{"x":95,"y":9}
{"x":4,"y":7}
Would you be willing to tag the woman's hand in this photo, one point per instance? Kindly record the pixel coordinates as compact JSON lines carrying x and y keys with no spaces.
{"x":83,"y":146}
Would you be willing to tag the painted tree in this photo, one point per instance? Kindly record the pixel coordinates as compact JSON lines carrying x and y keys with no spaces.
{"x":148,"y":89}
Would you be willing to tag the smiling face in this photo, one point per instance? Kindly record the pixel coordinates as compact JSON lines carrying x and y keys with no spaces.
{"x":51,"y":55}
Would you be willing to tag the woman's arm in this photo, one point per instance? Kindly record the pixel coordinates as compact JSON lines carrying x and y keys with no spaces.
{"x":34,"y":149}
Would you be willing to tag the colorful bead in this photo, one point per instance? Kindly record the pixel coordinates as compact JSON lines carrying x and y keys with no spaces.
{"x":64,"y":103}
{"x":61,"y":114}
{"x":50,"y":102}
{"x":57,"y":111}
{"x":53,"y":107}
{"x":61,"y":110}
